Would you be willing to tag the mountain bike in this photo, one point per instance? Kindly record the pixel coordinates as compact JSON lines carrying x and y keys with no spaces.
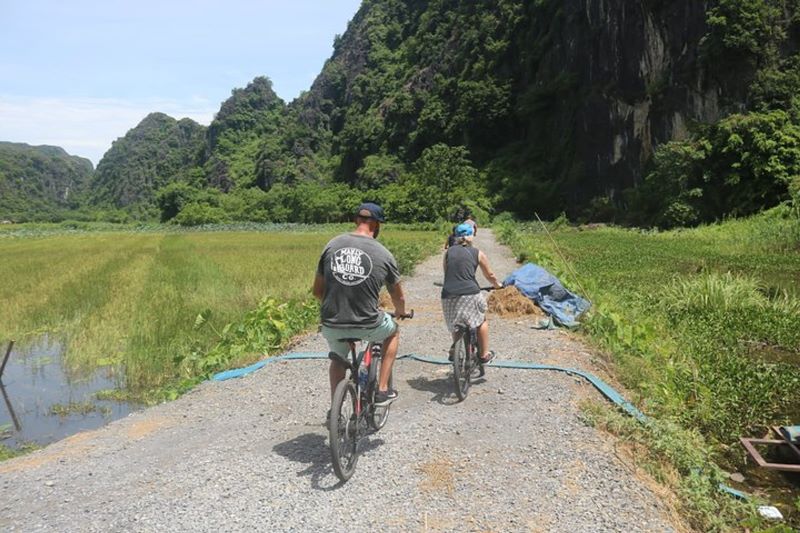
{"x":467,"y":364}
{"x":353,"y":410}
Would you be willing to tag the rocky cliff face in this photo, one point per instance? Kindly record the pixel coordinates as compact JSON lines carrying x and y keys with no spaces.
{"x":638,"y":82}
{"x":562,"y":101}
{"x":581,"y":91}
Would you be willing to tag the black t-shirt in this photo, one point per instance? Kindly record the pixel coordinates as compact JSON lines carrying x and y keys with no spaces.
{"x":355,"y":267}
{"x":459,"y":275}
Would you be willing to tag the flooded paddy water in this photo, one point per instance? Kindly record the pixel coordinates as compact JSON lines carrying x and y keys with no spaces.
{"x":41,"y":402}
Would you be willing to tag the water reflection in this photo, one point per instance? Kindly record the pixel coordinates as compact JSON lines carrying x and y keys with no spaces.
{"x":36,"y":384}
{"x":10,"y":408}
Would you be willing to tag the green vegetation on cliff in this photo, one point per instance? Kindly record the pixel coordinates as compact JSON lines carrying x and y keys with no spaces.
{"x":158,"y":151}
{"x":654,"y":113}
{"x":237,"y":133}
{"x":545,"y":108}
{"x":749,"y":160}
{"x":40,"y":182}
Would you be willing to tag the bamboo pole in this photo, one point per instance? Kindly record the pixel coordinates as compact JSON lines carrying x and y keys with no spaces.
{"x":564,"y":259}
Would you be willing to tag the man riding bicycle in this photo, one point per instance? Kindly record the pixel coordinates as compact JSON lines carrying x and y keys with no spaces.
{"x":351,"y":271}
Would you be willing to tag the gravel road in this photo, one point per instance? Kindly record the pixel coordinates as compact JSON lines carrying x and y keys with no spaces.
{"x":251,"y":454}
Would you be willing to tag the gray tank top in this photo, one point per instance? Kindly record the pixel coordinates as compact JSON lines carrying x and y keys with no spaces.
{"x":459,"y":276}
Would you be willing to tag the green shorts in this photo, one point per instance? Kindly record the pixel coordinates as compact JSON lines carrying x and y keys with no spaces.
{"x":381,"y":332}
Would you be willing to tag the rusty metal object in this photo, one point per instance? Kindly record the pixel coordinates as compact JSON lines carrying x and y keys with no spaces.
{"x":750,"y":446}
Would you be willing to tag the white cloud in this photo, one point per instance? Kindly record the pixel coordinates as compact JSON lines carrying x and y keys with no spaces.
{"x":87,"y":126}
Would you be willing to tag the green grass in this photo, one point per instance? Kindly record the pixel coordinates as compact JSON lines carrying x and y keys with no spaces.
{"x":131,"y":300}
{"x":701,"y":324}
{"x":78,"y":408}
{"x":677,"y":458}
{"x":10,"y":453}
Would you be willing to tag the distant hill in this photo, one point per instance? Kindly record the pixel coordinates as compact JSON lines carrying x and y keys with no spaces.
{"x":158,"y":151}
{"x":650,"y":113}
{"x":239,"y":132}
{"x":40,"y":182}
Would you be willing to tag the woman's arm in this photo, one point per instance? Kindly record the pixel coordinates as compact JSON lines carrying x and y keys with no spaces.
{"x":483,"y":262}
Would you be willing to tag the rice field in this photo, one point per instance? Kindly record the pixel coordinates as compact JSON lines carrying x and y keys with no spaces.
{"x":129,"y":300}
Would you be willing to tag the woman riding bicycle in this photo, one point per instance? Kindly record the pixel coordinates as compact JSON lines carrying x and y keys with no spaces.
{"x":462,"y":301}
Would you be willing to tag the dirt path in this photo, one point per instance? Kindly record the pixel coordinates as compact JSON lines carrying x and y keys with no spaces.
{"x":252,"y":453}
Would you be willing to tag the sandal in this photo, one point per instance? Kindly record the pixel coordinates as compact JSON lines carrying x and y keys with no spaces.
{"x":489,"y":358}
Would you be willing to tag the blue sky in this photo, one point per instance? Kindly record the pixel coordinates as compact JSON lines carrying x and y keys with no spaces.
{"x":80,"y":73}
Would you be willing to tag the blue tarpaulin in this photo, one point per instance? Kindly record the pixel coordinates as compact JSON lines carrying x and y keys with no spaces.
{"x":548,"y":293}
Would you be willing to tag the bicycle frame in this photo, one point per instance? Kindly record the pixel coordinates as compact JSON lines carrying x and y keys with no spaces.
{"x":366,"y":358}
{"x":357,"y":358}
{"x":345,"y":434}
{"x":472,"y":335}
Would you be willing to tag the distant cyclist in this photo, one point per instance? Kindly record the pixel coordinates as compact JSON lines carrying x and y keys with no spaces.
{"x":351,"y":271}
{"x":462,"y":301}
{"x":471,"y":221}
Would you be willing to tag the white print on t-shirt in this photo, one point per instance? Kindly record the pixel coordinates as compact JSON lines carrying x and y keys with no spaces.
{"x":350,"y":266}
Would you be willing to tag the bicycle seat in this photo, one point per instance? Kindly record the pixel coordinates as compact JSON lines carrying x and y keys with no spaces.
{"x":333,"y":356}
{"x":353,"y":340}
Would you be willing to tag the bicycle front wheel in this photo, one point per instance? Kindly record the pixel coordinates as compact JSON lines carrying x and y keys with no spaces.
{"x":461,"y":366}
{"x":344,"y":430}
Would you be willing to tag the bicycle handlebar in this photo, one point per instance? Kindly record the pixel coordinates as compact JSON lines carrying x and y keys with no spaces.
{"x":440,"y":284}
{"x":402,"y":317}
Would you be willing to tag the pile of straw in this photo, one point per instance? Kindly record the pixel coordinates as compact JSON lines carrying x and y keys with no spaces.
{"x":509,"y":302}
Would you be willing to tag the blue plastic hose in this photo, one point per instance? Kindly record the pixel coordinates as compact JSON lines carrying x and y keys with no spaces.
{"x":604,"y":388}
{"x":598,"y":383}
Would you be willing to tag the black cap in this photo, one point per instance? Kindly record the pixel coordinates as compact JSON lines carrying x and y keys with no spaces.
{"x":370,"y":210}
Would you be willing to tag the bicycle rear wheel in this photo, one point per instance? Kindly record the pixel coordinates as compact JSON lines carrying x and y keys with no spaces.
{"x":379,"y":414}
{"x":344,"y":430}
{"x":461,"y":365}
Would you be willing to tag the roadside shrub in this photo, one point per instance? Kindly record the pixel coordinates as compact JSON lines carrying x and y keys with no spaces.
{"x":679,"y":458}
{"x":739,"y":166}
{"x":442,"y":182}
{"x":503,"y":217}
{"x":196,"y":214}
{"x":261,"y":331}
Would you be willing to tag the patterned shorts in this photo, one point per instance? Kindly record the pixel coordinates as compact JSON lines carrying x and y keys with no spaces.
{"x":469,"y":310}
